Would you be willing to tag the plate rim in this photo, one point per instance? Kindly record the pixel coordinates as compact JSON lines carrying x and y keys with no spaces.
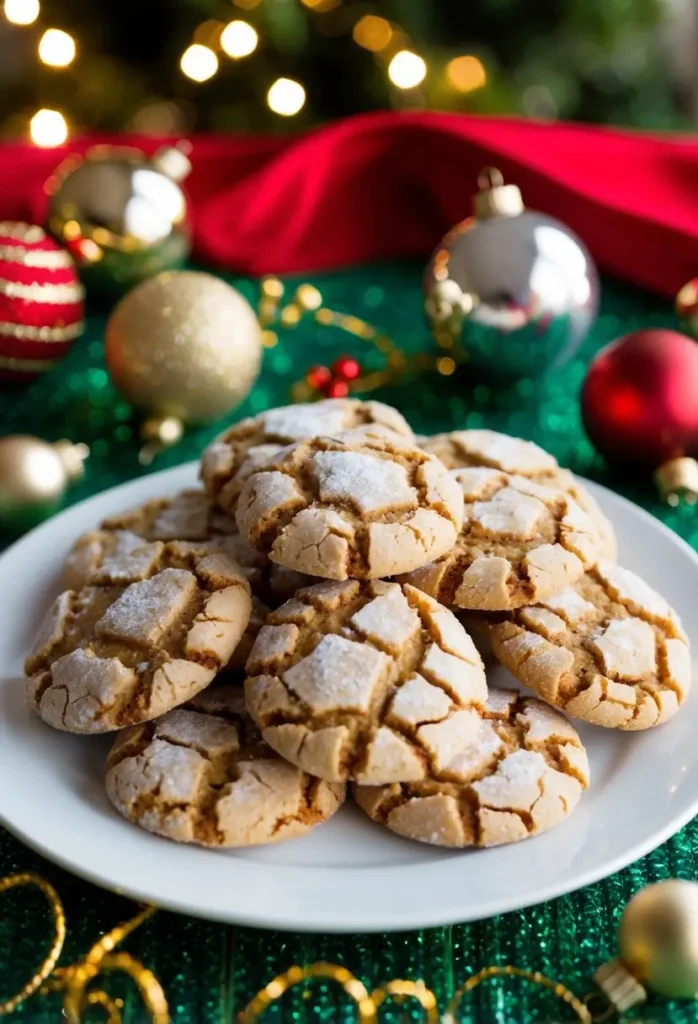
{"x":263,"y":916}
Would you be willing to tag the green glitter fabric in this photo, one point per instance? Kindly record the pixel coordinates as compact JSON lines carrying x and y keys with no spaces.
{"x":210,"y":971}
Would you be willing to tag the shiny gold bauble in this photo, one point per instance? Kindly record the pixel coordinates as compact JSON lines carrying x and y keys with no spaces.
{"x":658,"y":938}
{"x":123,"y":216}
{"x":184,"y":344}
{"x":686,"y":306}
{"x":34,"y":476}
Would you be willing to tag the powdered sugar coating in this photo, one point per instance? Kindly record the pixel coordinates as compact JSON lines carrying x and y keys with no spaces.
{"x":522,"y":771}
{"x":349,"y":680}
{"x":608,"y":650}
{"x":350,"y":507}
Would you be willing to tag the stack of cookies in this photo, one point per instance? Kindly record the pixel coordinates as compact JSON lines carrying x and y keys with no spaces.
{"x":315,"y":616}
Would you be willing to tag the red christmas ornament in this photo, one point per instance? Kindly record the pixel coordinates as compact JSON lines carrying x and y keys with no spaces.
{"x":318,"y":377}
{"x":640,"y":398}
{"x":41,"y":301}
{"x":337,"y":389}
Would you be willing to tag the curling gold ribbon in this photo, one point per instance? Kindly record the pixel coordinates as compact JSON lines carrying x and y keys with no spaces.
{"x":49,"y":962}
{"x":365,"y":1005}
{"x":535,"y":977}
{"x":409,"y":990}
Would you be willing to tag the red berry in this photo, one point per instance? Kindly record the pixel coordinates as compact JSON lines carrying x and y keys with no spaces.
{"x":337,"y":389}
{"x":318,"y":377}
{"x":346,"y":368}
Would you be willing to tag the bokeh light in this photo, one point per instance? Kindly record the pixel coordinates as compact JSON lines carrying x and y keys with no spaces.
{"x":286,"y":97}
{"x":239,"y":39}
{"x":22,"y":12}
{"x":56,"y":48}
{"x":406,"y":70}
{"x":372,"y":32}
{"x":48,"y":128}
{"x":198,"y":63}
{"x":466,"y":73}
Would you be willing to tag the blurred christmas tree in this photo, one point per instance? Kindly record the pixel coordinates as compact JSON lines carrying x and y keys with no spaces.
{"x":173,"y":66}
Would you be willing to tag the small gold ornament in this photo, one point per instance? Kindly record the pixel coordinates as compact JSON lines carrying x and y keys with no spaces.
{"x":34,"y":476}
{"x":686,"y":306}
{"x":123,"y":217}
{"x":509,"y":290}
{"x":677,"y":481}
{"x":185,"y":346}
{"x":658,"y":946}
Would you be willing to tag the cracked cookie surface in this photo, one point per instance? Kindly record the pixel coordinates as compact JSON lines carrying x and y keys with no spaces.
{"x":608,"y":650}
{"x":202,"y":774}
{"x":373,"y":682}
{"x":247,"y":445}
{"x":521,"y":773}
{"x":150,"y":630}
{"x":351,"y":507}
{"x":191,"y":523}
{"x":520,"y":541}
{"x":465,"y":449}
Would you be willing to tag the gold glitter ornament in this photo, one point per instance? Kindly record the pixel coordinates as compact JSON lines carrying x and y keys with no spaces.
{"x":183,"y":345}
{"x":658,"y":946}
{"x":34,"y":476}
{"x":122,"y":215}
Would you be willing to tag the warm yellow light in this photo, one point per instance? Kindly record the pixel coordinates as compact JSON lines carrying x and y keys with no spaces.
{"x":56,"y":48}
{"x":286,"y":97}
{"x":466,"y":73}
{"x":372,"y":32}
{"x":239,"y":39}
{"x":198,"y":62}
{"x":48,"y":128}
{"x":406,"y":69}
{"x":22,"y":12}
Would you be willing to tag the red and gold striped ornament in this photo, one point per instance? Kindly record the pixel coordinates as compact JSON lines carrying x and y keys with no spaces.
{"x":41,"y":301}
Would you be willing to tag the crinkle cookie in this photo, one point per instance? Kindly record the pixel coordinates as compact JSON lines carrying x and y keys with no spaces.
{"x":520,"y":542}
{"x":247,"y":445}
{"x":347,"y":507}
{"x":608,"y":650}
{"x":372,"y":682}
{"x":465,"y":449}
{"x":187,"y":521}
{"x":521,"y":773}
{"x":148,"y":633}
{"x":202,"y":774}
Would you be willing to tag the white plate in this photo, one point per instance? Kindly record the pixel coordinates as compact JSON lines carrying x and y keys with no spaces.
{"x":350,"y":874}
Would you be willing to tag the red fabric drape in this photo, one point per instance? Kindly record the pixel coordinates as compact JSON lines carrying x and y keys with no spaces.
{"x":386,"y":185}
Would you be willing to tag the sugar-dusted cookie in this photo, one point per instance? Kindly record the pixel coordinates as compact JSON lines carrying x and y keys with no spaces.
{"x":230,"y":459}
{"x":351,"y":507}
{"x":189,"y":521}
{"x":520,"y":541}
{"x":371,"y":681}
{"x":202,"y":774}
{"x":521,"y":773}
{"x":608,"y":650}
{"x":465,"y":449}
{"x":151,"y":630}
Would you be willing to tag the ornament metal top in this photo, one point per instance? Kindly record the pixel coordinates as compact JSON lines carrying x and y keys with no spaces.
{"x":510,"y":290}
{"x":123,"y":216}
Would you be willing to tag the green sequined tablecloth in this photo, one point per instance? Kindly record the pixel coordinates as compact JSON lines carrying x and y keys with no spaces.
{"x":209,"y":971}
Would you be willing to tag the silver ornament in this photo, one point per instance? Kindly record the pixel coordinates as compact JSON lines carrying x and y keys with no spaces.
{"x":511,"y":290}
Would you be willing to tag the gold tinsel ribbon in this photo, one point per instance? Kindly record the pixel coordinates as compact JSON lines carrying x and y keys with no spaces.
{"x":74,"y":981}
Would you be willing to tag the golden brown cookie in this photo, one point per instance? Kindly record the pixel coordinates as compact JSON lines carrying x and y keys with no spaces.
{"x":187,"y":520}
{"x":349,"y":507}
{"x":465,"y":449}
{"x":202,"y":774}
{"x":520,"y":541}
{"x":609,"y":650}
{"x":521,"y":772}
{"x":365,"y":681}
{"x":147,"y":633}
{"x":247,"y":445}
